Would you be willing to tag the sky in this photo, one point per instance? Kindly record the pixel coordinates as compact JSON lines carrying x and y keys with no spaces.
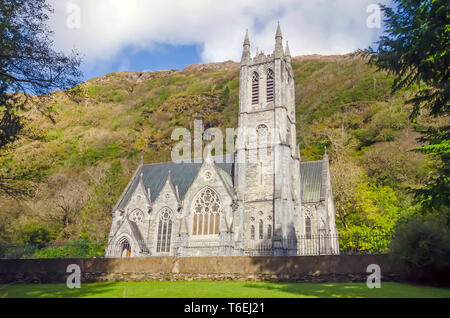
{"x":151,"y":35}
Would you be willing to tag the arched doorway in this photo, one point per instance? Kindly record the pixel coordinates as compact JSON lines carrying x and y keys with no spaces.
{"x":125,"y":249}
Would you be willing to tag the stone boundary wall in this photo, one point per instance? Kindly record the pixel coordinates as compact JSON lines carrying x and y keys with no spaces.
{"x":338,"y":268}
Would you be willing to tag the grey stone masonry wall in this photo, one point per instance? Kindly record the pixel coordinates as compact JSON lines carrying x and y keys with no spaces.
{"x":339,"y":268}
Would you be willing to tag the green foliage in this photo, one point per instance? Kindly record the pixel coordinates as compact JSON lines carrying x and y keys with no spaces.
{"x":29,"y":65}
{"x":52,"y":134}
{"x":400,"y":169}
{"x":94,"y":90}
{"x":365,"y":240}
{"x":95,"y":216}
{"x":34,"y":233}
{"x":234,"y":84}
{"x":440,"y":149}
{"x":382,"y":124}
{"x":11,"y":123}
{"x":422,"y":249}
{"x":434,"y":196}
{"x":371,"y":208}
{"x":70,"y":249}
{"x":367,"y":136}
{"x":351,"y":91}
{"x":225,"y":99}
{"x":78,"y":249}
{"x":415,"y":49}
{"x":106,"y":94}
{"x":368,"y":218}
{"x":92,"y":155}
{"x":366,"y":89}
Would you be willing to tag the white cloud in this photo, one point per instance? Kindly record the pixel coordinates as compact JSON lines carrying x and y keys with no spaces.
{"x":312,"y":27}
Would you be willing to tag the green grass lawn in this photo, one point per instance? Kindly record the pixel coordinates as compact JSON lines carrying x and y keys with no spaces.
{"x":227,"y":289}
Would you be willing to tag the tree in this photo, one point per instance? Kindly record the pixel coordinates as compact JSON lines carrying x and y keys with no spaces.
{"x":421,"y":250}
{"x":28,"y":64}
{"x":435,"y":194}
{"x":96,"y":215}
{"x":415,"y":49}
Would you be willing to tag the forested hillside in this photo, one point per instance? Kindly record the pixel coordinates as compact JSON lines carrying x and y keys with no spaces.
{"x":78,"y":152}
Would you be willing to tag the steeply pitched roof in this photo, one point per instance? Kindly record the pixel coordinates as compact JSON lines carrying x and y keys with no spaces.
{"x":311,"y":181}
{"x":154,"y":176}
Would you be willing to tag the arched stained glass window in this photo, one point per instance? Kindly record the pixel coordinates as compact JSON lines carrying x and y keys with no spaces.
{"x":207,"y":206}
{"x":269,"y":231}
{"x":164,"y":231}
{"x":261,"y":229}
{"x":308,"y":227}
{"x":255,"y":88}
{"x":270,"y":85}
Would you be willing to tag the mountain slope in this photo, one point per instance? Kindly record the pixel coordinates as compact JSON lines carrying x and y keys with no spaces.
{"x":81,"y":154}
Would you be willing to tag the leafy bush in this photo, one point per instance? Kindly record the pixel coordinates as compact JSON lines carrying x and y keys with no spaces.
{"x":366,"y":136}
{"x":34,"y":233}
{"x":372,"y":207}
{"x":81,"y":249}
{"x":422,"y":251}
{"x":18,"y":251}
{"x":72,"y":249}
{"x":364,"y":241}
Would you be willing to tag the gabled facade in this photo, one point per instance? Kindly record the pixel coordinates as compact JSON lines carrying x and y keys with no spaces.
{"x":261,"y":200}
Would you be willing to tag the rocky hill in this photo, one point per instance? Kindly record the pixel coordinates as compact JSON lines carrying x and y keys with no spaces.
{"x":80,"y":149}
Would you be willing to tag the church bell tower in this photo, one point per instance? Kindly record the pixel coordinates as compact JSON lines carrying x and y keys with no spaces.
{"x":267,"y":156}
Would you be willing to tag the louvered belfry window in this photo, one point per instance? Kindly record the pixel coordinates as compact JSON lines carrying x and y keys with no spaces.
{"x":270,"y":85}
{"x":255,"y":88}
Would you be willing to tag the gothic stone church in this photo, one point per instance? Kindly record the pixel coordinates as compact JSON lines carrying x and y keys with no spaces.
{"x":238,"y":205}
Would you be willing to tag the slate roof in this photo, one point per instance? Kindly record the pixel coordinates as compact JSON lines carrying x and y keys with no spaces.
{"x":311,"y":181}
{"x":154,"y":176}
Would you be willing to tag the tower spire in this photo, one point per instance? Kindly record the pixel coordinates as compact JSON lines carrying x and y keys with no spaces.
{"x":278,"y":42}
{"x":246,"y":51}
{"x":278,"y":31}
{"x":246,"y":40}
{"x":287,"y":51}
